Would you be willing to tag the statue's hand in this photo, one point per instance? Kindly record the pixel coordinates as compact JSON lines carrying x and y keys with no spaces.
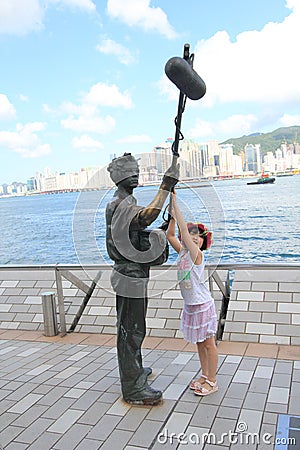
{"x":171,"y":176}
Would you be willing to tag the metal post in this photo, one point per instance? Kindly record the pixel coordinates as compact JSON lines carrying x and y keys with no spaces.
{"x":60,"y":296}
{"x":49,"y":312}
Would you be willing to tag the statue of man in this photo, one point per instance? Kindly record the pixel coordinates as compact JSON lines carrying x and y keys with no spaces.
{"x":125,"y":242}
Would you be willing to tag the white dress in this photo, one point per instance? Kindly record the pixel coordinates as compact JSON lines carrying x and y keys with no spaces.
{"x":199,"y":319}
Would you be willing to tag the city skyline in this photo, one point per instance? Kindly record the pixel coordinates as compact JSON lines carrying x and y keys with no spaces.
{"x":80,"y":79}
{"x":208,"y":160}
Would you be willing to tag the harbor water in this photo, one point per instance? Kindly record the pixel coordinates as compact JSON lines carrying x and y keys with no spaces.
{"x":258,"y":223}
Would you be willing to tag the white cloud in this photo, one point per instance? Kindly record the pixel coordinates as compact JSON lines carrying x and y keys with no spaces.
{"x":110,"y":47}
{"x":259,"y":66}
{"x":86,"y":144}
{"x":7,"y":110}
{"x":25,"y":141}
{"x":102,"y":94}
{"x":289,"y":120}
{"x":87,"y":5}
{"x":167,"y":88}
{"x":134,"y":139}
{"x":99,"y":125}
{"x":23,"y":98}
{"x":236,"y":124}
{"x":84,"y":117}
{"x":21,"y":17}
{"x":139,"y":13}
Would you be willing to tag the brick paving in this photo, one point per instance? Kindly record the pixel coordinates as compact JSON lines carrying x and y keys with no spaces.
{"x":63,"y":393}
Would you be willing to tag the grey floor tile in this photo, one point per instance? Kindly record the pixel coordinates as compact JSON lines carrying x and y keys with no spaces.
{"x":6,"y":419}
{"x":281,"y":379}
{"x":260,"y":385}
{"x":248,"y":364}
{"x":65,"y":421}
{"x":226,"y":412}
{"x":237,"y":390}
{"x":32,"y":414}
{"x":89,"y":444}
{"x":53,"y":395}
{"x":87,"y":399}
{"x":74,"y":391}
{"x":277,"y":408}
{"x":46,"y":442}
{"x":21,"y":406}
{"x":228,"y":369}
{"x":267,"y":436}
{"x":145,"y":434}
{"x":117,"y":439}
{"x":250,"y":420}
{"x":59,"y":407}
{"x":104,"y":427}
{"x":133,"y":418}
{"x":95,"y":412}
{"x":9,"y":434}
{"x":255,"y":401}
{"x":222,"y":429}
{"x":283,"y":367}
{"x":16,"y":446}
{"x":278,"y":395}
{"x":263,"y":372}
{"x":161,"y":412}
{"x":21,"y":392}
{"x":185,"y":407}
{"x":72,"y":437}
{"x":232,"y":402}
{"x":33,"y":431}
{"x":242,"y":376}
{"x":204,"y":416}
{"x":177,"y":423}
{"x":174,"y":391}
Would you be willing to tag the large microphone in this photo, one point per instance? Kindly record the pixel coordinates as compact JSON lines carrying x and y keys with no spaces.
{"x":181,"y":73}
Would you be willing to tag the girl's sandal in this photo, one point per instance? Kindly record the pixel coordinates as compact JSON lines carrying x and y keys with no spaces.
{"x":194,"y":384}
{"x":200,"y":390}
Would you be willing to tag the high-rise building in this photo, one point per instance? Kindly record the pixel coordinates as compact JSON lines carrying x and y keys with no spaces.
{"x":191,"y":155}
{"x":163,"y":154}
{"x":252,"y":158}
{"x":226,"y":164}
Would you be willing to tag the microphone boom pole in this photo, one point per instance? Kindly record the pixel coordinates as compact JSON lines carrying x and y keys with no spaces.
{"x":180,"y":110}
{"x":180,"y":72}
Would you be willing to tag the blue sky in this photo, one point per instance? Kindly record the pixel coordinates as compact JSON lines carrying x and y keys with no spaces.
{"x":82,"y":79}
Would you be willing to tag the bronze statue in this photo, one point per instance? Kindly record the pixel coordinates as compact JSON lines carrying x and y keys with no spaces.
{"x":133,"y":252}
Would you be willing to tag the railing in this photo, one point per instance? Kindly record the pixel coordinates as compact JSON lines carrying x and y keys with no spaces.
{"x":64,"y":271}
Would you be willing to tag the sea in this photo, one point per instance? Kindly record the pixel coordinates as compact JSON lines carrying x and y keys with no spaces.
{"x":250,"y":223}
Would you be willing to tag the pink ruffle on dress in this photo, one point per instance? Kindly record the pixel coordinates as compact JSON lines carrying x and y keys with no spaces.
{"x":199,"y":322}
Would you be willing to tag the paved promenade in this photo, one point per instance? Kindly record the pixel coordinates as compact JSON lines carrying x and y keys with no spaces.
{"x":64,"y":394}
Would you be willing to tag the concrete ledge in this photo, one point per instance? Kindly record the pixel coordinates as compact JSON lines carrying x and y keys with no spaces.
{"x":264,"y":303}
{"x":271,"y":351}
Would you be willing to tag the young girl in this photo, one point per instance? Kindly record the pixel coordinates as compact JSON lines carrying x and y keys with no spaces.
{"x":199,"y":320}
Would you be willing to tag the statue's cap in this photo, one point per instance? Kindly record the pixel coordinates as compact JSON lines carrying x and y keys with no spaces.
{"x":123,"y":167}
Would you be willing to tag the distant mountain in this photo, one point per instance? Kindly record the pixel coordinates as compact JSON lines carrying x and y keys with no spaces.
{"x":268,"y":141}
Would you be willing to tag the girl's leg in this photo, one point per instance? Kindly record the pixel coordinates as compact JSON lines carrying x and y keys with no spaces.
{"x":212,"y":359}
{"x":202,"y":352}
{"x":210,"y":385}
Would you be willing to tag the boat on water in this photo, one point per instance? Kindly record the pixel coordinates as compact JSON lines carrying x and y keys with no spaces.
{"x":264,"y":179}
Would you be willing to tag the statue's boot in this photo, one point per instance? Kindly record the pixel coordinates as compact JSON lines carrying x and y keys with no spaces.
{"x":147,"y":371}
{"x":147,"y":396}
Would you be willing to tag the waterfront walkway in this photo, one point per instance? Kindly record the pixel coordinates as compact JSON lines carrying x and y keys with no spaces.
{"x":64,"y":393}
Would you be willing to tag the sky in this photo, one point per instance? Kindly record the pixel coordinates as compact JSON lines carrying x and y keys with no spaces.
{"x":84,"y":79}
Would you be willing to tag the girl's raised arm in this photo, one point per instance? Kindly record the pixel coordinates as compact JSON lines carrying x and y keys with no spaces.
{"x":195,"y":252}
